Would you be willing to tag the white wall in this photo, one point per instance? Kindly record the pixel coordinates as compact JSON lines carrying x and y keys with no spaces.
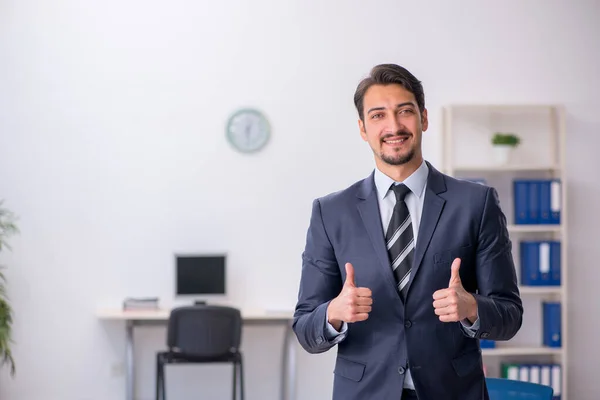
{"x":113,"y":155}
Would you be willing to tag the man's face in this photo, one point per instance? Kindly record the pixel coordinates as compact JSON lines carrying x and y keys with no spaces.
{"x":393,"y":125}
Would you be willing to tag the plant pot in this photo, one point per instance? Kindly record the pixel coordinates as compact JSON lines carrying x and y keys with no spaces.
{"x":502,"y":153}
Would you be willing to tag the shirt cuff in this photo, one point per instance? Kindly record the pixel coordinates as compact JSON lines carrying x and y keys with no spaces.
{"x":331,"y":333}
{"x":470,"y":329}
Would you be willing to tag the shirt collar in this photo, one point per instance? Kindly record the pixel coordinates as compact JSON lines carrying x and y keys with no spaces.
{"x":415,"y":182}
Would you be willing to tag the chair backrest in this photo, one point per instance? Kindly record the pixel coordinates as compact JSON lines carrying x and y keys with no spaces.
{"x":204,"y":330}
{"x":507,"y":389}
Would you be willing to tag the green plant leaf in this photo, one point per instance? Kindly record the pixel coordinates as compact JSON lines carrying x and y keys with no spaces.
{"x":510,"y":139}
{"x":7,"y":228}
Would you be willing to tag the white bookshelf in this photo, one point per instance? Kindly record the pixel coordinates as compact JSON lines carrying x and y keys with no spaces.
{"x":467,"y":153}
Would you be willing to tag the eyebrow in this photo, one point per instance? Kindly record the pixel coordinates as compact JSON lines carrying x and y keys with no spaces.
{"x":408,"y":103}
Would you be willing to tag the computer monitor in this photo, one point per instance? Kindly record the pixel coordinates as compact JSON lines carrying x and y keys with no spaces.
{"x":200,"y":274}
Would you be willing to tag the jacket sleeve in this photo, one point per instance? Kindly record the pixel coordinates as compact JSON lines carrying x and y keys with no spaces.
{"x":498,"y":300}
{"x":320,"y":282}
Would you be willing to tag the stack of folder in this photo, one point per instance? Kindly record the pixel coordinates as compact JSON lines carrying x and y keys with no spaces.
{"x":537,"y":201}
{"x":545,"y":374}
{"x":139,"y":304}
{"x":540,"y":262}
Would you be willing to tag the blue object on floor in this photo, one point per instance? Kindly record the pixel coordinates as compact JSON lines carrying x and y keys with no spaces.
{"x":507,"y":389}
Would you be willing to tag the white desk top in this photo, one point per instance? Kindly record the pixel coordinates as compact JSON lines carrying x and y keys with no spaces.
{"x":163,"y":314}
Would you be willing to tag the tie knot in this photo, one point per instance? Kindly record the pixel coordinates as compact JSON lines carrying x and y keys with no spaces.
{"x":400,"y":190}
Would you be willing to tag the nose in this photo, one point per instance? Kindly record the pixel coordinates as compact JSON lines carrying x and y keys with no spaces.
{"x":394,"y":125}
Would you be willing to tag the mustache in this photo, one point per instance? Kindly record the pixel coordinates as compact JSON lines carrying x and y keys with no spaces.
{"x":402,"y":132}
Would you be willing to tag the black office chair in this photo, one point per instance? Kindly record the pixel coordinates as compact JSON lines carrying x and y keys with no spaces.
{"x":202,"y":334}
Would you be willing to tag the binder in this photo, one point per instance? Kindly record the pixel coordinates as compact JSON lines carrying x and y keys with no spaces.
{"x":550,"y":201}
{"x":534,"y":373}
{"x":530,"y":271}
{"x":545,"y":375}
{"x":487,"y":343}
{"x":520,"y":198}
{"x":533,"y":201}
{"x":556,"y":380}
{"x":524,"y":373}
{"x":551,"y":315}
{"x":555,"y":201}
{"x":510,"y":371}
{"x":555,"y":263}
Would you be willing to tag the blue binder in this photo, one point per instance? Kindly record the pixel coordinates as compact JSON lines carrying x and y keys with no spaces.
{"x":555,"y":263}
{"x":550,"y":201}
{"x":520,"y":198}
{"x":552,"y":324}
{"x":533,"y":201}
{"x":530,"y":259}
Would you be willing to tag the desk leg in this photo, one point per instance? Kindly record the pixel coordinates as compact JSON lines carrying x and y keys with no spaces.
{"x":288,"y":370}
{"x":129,"y":378}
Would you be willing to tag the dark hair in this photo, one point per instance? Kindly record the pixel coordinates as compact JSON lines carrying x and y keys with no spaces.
{"x":386,"y":74}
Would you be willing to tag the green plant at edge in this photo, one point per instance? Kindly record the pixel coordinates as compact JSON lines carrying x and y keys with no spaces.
{"x":7,"y":228}
{"x":509,"y":139}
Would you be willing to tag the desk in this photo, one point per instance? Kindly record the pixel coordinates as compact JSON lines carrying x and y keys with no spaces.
{"x":250,"y":317}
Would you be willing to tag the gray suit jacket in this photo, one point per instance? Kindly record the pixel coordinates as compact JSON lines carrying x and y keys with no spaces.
{"x":460,"y":219}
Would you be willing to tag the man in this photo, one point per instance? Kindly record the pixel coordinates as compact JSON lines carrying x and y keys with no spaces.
{"x":405,"y":270}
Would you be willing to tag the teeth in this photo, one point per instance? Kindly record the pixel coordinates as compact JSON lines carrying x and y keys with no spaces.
{"x":395,"y":141}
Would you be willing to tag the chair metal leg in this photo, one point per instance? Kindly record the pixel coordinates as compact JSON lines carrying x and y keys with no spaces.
{"x":157,"y":377}
{"x":160,"y":378}
{"x":162,"y":381}
{"x":234,"y":380}
{"x":241,"y":378}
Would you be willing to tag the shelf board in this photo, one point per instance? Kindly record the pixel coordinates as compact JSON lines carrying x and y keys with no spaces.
{"x":500,"y":106}
{"x":534,"y":228}
{"x":504,"y":168}
{"x":540,"y":289}
{"x":517,"y":351}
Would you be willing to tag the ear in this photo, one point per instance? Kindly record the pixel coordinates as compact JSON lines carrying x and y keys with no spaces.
{"x":361,"y":127}
{"x":424,"y":120}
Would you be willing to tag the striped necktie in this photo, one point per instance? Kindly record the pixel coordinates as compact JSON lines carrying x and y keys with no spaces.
{"x":400,"y":240}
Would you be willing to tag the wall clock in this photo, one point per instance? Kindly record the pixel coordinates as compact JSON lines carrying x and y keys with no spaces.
{"x":248,"y":130}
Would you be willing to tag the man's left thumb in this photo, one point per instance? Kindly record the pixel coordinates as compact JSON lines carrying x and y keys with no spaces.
{"x":454,"y":275}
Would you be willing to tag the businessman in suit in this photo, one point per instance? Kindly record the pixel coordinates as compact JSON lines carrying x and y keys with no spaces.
{"x":405,"y":270}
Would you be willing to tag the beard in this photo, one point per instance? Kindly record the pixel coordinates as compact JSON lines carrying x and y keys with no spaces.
{"x":398,"y":159}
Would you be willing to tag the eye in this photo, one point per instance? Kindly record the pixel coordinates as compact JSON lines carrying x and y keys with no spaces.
{"x":406,"y":111}
{"x":377,"y":116}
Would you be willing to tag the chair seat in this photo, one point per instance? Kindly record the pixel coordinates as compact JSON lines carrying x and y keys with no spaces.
{"x":173,"y":357}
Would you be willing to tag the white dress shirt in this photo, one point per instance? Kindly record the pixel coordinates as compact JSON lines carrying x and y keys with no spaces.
{"x":417,"y":183}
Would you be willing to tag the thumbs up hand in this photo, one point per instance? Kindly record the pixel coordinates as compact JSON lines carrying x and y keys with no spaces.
{"x":353,"y":304}
{"x":455,"y":303}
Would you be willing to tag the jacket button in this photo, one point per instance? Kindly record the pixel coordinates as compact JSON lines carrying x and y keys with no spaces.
{"x":401,"y":370}
{"x":407,"y":324}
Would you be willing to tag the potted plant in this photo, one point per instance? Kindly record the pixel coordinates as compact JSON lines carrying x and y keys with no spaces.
{"x":503,"y":145}
{"x":7,"y":228}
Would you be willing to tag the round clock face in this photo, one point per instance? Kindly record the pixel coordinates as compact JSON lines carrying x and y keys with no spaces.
{"x":248,"y":130}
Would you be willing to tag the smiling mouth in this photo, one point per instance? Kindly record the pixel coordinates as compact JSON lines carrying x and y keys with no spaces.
{"x":396,"y":140}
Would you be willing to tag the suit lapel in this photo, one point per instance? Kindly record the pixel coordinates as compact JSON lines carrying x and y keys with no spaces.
{"x":368,"y":208}
{"x":433,"y":205}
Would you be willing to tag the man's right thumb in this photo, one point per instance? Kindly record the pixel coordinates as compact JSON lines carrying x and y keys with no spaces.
{"x":349,"y":275}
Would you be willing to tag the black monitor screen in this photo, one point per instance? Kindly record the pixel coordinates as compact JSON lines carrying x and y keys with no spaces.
{"x":201,"y":274}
